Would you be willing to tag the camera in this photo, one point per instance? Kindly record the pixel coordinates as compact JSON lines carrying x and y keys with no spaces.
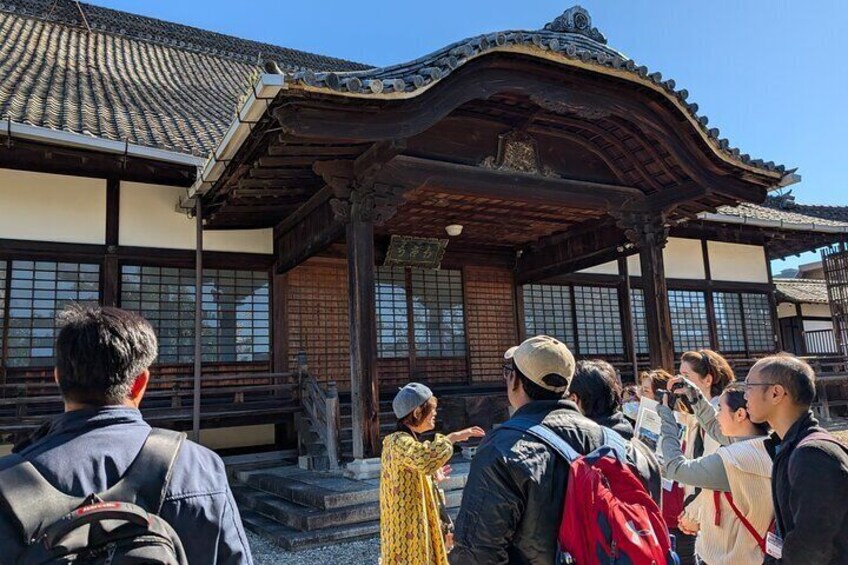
{"x":677,"y":386}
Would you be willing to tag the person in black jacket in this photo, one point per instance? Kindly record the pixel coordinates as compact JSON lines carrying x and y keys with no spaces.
{"x":596,"y":391}
{"x":513,"y":500}
{"x":809,"y":480}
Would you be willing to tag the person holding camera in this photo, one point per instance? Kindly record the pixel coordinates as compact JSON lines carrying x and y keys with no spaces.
{"x":736,"y":508}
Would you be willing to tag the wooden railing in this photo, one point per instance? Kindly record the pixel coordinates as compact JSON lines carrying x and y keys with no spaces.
{"x":322,"y":410}
{"x":168,"y":400}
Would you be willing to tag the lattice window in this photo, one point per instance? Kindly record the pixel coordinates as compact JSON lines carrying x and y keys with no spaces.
{"x":729,"y":321}
{"x":438,"y":318}
{"x":392,"y":312}
{"x":640,"y":324}
{"x":547,"y":310}
{"x":490,"y":312}
{"x":38,"y":292}
{"x":598,"y":321}
{"x":236,"y":311}
{"x":689,"y":323}
{"x":317,"y":320}
{"x":758,"y":322}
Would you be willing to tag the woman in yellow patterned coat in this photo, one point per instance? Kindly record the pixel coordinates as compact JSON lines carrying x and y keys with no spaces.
{"x":410,"y":527}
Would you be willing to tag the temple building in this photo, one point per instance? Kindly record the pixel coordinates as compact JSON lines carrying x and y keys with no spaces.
{"x":369,"y":226}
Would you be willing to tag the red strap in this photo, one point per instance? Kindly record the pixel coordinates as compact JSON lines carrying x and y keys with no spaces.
{"x":761,"y":541}
{"x":717,"y":503}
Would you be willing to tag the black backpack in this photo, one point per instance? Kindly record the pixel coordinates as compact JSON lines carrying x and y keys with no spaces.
{"x":117,"y":527}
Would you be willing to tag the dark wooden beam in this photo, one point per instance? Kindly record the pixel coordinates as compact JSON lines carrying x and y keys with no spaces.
{"x":363,"y":338}
{"x":316,"y":229}
{"x":649,"y":233}
{"x":111,"y":270}
{"x":440,"y":176}
{"x":591,"y":244}
{"x":43,"y":158}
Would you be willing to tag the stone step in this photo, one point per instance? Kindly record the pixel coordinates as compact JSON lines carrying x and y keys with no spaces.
{"x":328,"y":490}
{"x":304,"y":518}
{"x":294,"y":540}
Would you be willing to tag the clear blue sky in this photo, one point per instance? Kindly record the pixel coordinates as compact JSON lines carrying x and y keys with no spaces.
{"x":770,"y":74}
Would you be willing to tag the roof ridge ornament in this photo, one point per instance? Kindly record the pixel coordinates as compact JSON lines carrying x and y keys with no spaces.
{"x":576,"y":20}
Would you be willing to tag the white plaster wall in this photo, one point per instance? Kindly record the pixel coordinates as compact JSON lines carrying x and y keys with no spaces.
{"x":786,"y":310}
{"x":610,"y":268}
{"x":813,"y":325}
{"x":736,"y":262}
{"x":148,"y":218}
{"x":684,"y":259}
{"x":816,"y":310}
{"x":46,"y":207}
{"x":634,"y":265}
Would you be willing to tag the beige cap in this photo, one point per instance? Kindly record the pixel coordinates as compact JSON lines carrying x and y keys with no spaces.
{"x":540,"y":356}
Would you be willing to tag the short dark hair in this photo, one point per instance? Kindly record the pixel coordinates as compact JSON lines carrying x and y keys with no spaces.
{"x":595,"y":384}
{"x":793,"y":374}
{"x":100,"y":351}
{"x":734,"y":395}
{"x":534,"y":391}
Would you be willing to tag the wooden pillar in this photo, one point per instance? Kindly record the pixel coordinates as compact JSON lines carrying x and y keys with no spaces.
{"x":363,"y":334}
{"x":111,"y":269}
{"x":628,"y":329}
{"x":198,"y":319}
{"x":650,"y":234}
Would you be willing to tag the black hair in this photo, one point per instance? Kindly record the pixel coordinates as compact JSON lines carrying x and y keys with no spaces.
{"x":734,"y":395}
{"x":534,"y":391}
{"x":793,"y":374}
{"x":100,"y":351}
{"x":595,"y":384}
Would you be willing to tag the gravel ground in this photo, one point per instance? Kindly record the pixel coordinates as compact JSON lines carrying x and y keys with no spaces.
{"x":266,"y":552}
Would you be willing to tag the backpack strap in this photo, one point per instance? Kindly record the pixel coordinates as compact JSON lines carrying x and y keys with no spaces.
{"x":544,"y":434}
{"x":616,"y":443}
{"x":31,"y":500}
{"x":761,"y":540}
{"x":35,"y":503}
{"x":816,"y":436}
{"x":145,"y":483}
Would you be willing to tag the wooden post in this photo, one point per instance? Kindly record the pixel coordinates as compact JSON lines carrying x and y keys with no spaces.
{"x":111,"y":270}
{"x":627,"y":326}
{"x":198,"y":319}
{"x":650,"y":234}
{"x":363,"y":333}
{"x":333,"y":418}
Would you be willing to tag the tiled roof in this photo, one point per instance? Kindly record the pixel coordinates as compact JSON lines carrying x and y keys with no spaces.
{"x":125,"y":77}
{"x":570,"y":38}
{"x":786,"y":210}
{"x":809,"y":291}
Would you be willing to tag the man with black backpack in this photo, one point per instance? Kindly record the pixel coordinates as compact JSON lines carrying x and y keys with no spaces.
{"x":512,"y":504}
{"x":810,"y":473}
{"x":98,"y":484}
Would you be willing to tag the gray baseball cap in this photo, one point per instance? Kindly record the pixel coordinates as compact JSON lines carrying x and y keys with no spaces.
{"x":409,"y":398}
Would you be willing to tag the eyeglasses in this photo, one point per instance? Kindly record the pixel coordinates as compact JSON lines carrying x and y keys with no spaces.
{"x":507,"y":370}
{"x":748,"y":385}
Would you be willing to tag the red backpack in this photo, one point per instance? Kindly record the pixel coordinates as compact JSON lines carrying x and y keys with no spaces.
{"x":608,"y":516}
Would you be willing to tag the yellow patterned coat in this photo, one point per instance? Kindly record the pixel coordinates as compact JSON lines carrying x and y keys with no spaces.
{"x":410,"y":529}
